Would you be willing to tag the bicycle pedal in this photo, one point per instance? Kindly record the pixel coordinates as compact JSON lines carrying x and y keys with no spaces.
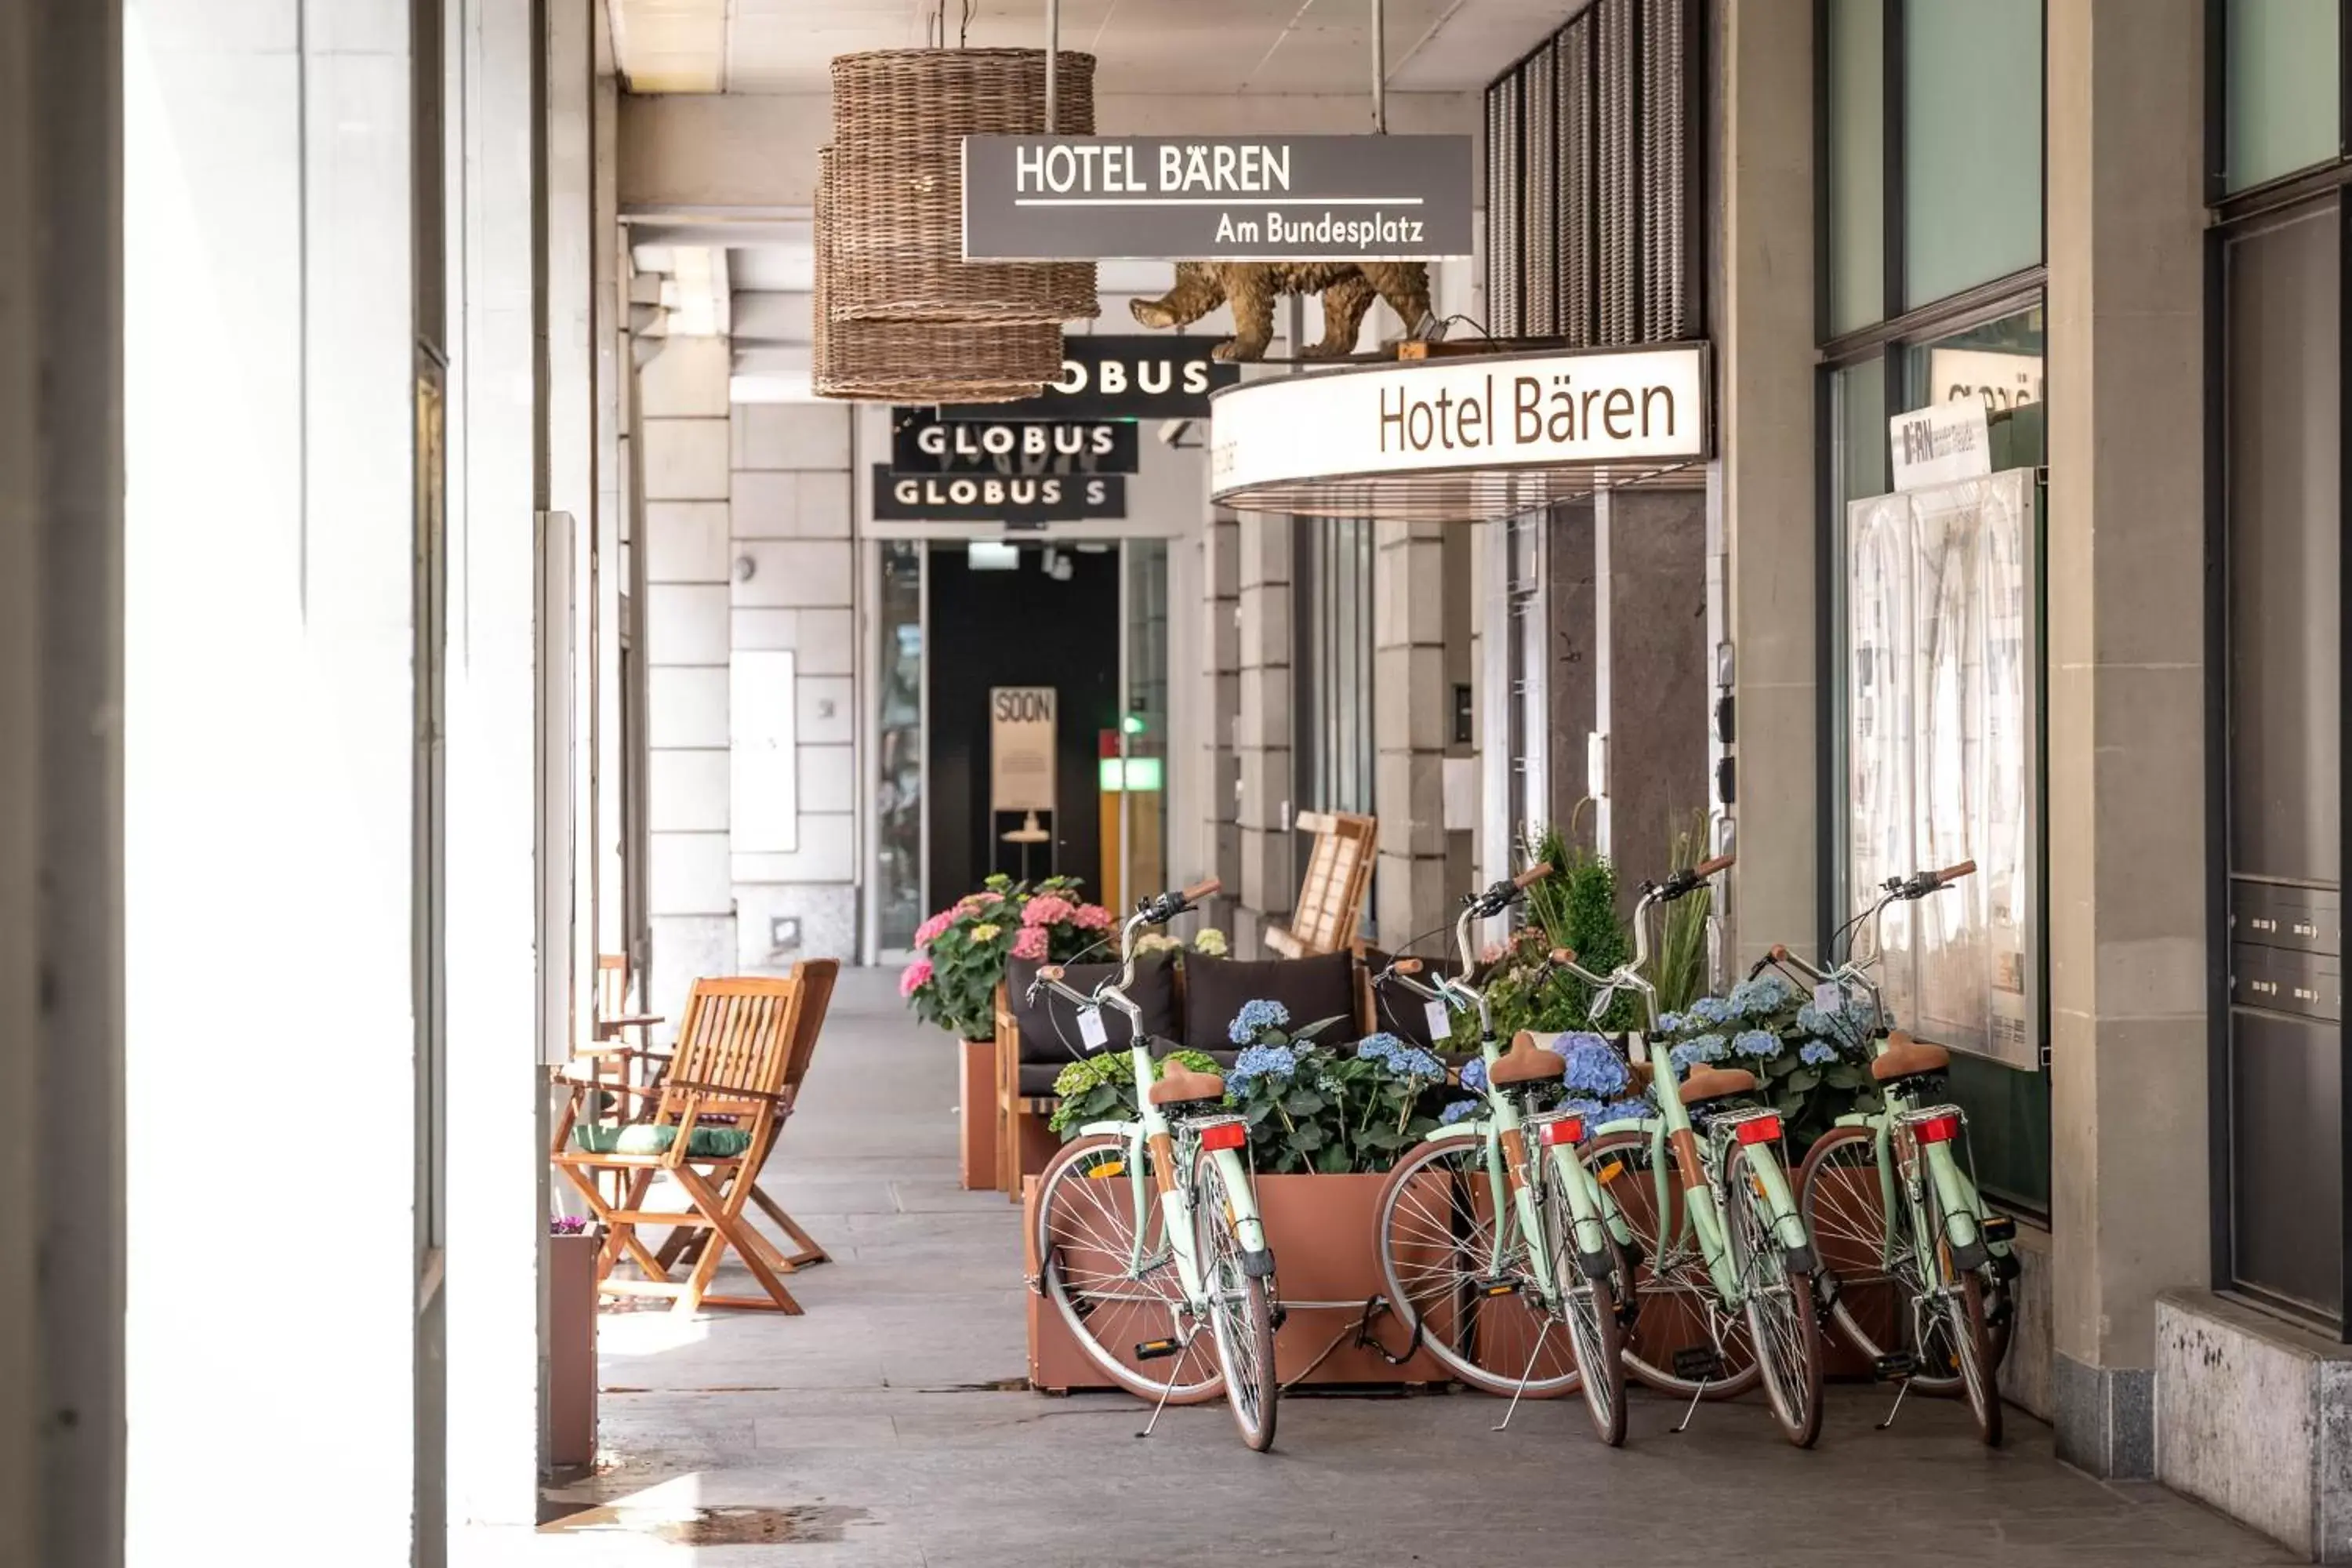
{"x":1826,"y":1291}
{"x":1895,"y":1366}
{"x":1698,"y":1363}
{"x":1497,"y":1285}
{"x":1258,"y":1265}
{"x":1999,"y":1228}
{"x":1158,"y":1350}
{"x":1280,"y":1315}
{"x":1634,"y":1257}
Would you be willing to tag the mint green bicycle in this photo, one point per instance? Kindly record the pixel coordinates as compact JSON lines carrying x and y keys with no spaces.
{"x":1921,"y":1267}
{"x":1729,"y":1271}
{"x":1497,"y":1255}
{"x":1147,"y":1240}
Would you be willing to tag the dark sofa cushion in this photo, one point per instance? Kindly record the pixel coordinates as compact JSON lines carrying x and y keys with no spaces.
{"x":1049,"y":1026}
{"x":1403,"y":1013}
{"x":1314,"y":988}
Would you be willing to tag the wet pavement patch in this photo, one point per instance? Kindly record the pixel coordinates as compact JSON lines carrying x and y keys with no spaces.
{"x":810,"y":1524}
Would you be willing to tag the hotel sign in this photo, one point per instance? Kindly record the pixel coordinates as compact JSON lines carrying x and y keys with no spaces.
{"x":1216,"y":199}
{"x":1644,"y":407}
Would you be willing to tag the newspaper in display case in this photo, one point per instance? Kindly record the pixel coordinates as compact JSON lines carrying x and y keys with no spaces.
{"x":1942,"y":734}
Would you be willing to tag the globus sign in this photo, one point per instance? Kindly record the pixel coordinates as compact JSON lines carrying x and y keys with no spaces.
{"x":922,"y":443}
{"x":996,"y":498}
{"x":1119,"y":376}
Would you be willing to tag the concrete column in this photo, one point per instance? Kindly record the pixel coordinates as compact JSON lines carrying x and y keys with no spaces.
{"x":1573,"y":655}
{"x":683,"y":444}
{"x":1763,"y":480}
{"x":1649,"y":595}
{"x":788,"y":515}
{"x":1269,"y":876}
{"x":2127,"y":707}
{"x":61,"y":896}
{"x":269,"y":719}
{"x":498,"y":481}
{"x":1412,"y":726}
{"x":1221,"y":637}
{"x":610,"y":572}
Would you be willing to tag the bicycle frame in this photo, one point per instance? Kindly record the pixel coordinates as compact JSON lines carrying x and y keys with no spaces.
{"x":1153,"y":1133}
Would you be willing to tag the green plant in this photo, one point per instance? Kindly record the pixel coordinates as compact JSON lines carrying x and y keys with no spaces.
{"x":1329,"y":1111}
{"x":1101,"y":1087}
{"x":1813,"y":1066}
{"x":962,"y":950}
{"x":1680,"y":972}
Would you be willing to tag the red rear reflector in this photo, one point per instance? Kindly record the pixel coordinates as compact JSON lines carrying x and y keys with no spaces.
{"x":1936,"y":1129}
{"x":1225,"y":1135}
{"x":1565,"y":1130}
{"x":1759,"y":1130}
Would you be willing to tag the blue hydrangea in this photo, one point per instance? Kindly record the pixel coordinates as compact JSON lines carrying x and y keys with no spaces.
{"x":1593,"y":1067}
{"x":1260,"y":1061}
{"x":1622,"y":1111}
{"x":1473,"y":1075}
{"x":1670,"y":1023}
{"x":1588,"y":1109}
{"x":1814,"y":1053}
{"x":1457,"y":1110}
{"x":1764,"y":995}
{"x":1710,"y":1010}
{"x":1703,"y":1048}
{"x":1256,"y":1016}
{"x":1378,"y":1048}
{"x":1761,"y":1044}
{"x":1812,"y":1020}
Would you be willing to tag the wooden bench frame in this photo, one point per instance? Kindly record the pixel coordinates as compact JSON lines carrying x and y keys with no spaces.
{"x":1330,"y":903}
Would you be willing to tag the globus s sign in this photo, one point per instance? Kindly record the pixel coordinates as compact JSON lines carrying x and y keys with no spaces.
{"x":986,"y":497}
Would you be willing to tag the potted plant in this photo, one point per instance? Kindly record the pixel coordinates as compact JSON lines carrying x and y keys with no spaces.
{"x":1814,"y":1066}
{"x":961,"y":957}
{"x":573,"y":1246}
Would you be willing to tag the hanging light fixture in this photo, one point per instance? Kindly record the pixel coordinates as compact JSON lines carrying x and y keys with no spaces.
{"x":899,"y":118}
{"x":918,"y":361}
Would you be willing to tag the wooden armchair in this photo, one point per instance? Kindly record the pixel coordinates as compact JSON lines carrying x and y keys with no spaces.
{"x":1331,"y":894}
{"x":727,"y":1090}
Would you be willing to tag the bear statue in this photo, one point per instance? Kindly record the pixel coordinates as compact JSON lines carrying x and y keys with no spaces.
{"x":1348,"y":289}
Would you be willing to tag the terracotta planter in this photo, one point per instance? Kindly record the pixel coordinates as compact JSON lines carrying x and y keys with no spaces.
{"x":572,"y":1347}
{"x":976,"y":1094}
{"x":1320,"y":1228}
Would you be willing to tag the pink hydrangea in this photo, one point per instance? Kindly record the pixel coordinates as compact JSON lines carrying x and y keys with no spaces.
{"x":929,"y":932}
{"x":1091,"y":917}
{"x":1031,"y":943}
{"x":979,"y":900}
{"x":914,"y":977}
{"x":1049,"y":910}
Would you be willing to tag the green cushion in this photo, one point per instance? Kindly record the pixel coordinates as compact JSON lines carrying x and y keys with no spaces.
{"x":645,"y":1138}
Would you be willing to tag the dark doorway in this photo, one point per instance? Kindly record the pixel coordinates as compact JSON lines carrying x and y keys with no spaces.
{"x":1018,"y":626}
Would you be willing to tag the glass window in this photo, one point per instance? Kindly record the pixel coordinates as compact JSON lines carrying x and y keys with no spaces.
{"x":899,"y":796}
{"x":1972,"y":143}
{"x":1857,"y":172}
{"x":1141,"y":858}
{"x":2000,"y":362}
{"x":2281,"y":88}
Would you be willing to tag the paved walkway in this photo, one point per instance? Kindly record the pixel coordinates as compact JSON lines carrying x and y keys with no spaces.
{"x":886,"y":1427}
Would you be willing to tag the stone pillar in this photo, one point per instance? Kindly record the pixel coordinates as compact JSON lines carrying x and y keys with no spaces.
{"x":61,"y":689}
{"x":683,"y":444}
{"x":789,"y":516}
{"x":1219,"y":766}
{"x":1573,"y":664}
{"x":1763,"y":480}
{"x":1650,"y":601}
{"x":1410,"y":727}
{"x":1269,"y":876}
{"x":611,"y":527}
{"x":2125,"y":580}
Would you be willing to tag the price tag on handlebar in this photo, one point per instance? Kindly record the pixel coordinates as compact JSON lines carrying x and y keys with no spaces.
{"x":1829,"y":997}
{"x":1091,"y":1030}
{"x":1440,"y":1023}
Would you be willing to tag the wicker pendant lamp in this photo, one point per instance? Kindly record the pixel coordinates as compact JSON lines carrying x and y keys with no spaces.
{"x":899,"y":118}
{"x":919,"y":362}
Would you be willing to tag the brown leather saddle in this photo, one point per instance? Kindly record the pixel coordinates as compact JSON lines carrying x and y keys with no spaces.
{"x":1179,"y":1085}
{"x":1527,"y":1062}
{"x":1906,"y":1058}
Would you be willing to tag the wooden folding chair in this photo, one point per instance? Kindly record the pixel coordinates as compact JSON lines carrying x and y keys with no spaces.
{"x":723,"y":1101}
{"x":611,"y":1080}
{"x":1331,"y":895}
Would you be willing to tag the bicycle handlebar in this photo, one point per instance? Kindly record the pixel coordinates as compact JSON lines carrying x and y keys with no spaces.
{"x":1532,"y":874}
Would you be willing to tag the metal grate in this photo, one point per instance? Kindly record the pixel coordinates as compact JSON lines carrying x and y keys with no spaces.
{"x":1592,"y":155}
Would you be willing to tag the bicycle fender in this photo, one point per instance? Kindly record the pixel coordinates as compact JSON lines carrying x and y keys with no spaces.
{"x":1110,"y":1129}
{"x":1459,"y":1131}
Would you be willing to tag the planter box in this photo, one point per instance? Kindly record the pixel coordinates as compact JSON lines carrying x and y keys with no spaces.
{"x":572,"y":1347}
{"x":1320,"y":1228}
{"x":976,"y":1096}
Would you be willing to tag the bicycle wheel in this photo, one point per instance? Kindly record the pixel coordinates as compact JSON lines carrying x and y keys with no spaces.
{"x":1239,"y":1312}
{"x":1887,"y":1304}
{"x":1779,"y":1301}
{"x":1677,"y":1308}
{"x":1594,"y":1330}
{"x":1961,"y":1292}
{"x":1476,"y":1312}
{"x":1114,"y":1296}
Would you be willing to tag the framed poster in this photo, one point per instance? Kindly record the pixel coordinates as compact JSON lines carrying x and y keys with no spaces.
{"x":1943,"y":746}
{"x":1021,"y":747}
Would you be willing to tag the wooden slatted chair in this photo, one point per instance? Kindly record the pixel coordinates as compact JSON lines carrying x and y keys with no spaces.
{"x":611,"y":1078}
{"x":724,"y":1101}
{"x":1331,"y":894}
